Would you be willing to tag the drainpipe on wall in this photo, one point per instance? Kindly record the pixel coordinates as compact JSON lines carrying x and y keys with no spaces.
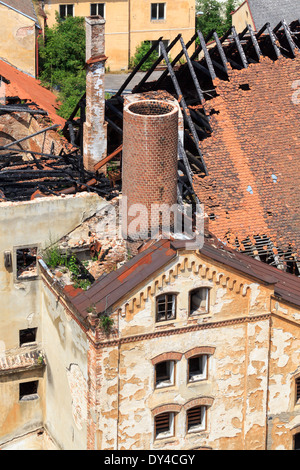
{"x":129,"y":32}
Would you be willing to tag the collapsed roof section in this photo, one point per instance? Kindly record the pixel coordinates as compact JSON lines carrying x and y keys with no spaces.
{"x":241,"y":138}
{"x":35,"y":159}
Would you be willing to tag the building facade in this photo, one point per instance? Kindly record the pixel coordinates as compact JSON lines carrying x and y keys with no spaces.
{"x":20,"y":29}
{"x":130,"y":22}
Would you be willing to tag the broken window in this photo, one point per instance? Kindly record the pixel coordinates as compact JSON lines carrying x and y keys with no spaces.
{"x":297,"y":383}
{"x":98,"y":9}
{"x":28,"y":390}
{"x":27,"y":336}
{"x":196,"y":419}
{"x":165,"y":307}
{"x":26,"y":262}
{"x":199,"y":300}
{"x":164,"y":425}
{"x":164,"y":374}
{"x":297,"y":441}
{"x":197,"y":368}
{"x":158,"y":11}
{"x":66,"y":10}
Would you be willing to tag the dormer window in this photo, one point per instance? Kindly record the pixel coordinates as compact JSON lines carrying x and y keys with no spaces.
{"x":165,"y":307}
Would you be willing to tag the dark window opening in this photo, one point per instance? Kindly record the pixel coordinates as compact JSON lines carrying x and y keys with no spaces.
{"x":164,"y":374}
{"x":26,"y":262}
{"x":66,"y":10}
{"x":199,"y":300}
{"x":158,"y":11}
{"x":297,"y":441}
{"x":196,"y":419}
{"x":164,"y":425}
{"x":197,"y":368}
{"x":245,"y":86}
{"x":97,"y":9}
{"x":297,"y":381}
{"x":28,"y":390}
{"x":27,"y":336}
{"x":165,"y":307}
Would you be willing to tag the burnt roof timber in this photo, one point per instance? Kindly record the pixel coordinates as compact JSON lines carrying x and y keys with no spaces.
{"x":193,"y":74}
{"x":182,"y":102}
{"x":207,"y":56}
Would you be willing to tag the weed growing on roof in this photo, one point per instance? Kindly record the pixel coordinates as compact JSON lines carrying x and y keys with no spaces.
{"x":106,"y":323}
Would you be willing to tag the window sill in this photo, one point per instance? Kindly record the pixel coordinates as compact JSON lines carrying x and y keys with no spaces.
{"x":192,"y":382}
{"x":158,"y":21}
{"x":32,"y":397}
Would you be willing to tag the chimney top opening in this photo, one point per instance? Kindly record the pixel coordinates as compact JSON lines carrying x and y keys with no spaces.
{"x":151,"y":108}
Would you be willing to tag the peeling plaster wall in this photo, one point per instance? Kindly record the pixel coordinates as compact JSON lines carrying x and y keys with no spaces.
{"x":35,"y":223}
{"x":66,"y":347}
{"x":237,"y":326}
{"x":17,"y":43}
{"x":284,"y":413}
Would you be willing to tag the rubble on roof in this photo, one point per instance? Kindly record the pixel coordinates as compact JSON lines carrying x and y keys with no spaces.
{"x":90,"y":251}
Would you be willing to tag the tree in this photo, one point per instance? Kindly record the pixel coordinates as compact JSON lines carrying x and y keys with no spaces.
{"x":215,"y":15}
{"x":62,"y":61}
{"x":209,"y":16}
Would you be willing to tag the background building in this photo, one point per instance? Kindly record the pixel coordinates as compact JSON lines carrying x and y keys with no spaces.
{"x":19,"y":32}
{"x":130,"y":22}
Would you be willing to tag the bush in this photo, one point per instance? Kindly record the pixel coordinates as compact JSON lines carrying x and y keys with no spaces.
{"x":141,"y":51}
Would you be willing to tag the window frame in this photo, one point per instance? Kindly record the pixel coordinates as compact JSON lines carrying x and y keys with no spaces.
{"x":166,"y":434}
{"x":97,"y":8}
{"x":203,"y":424}
{"x":66,"y":6}
{"x":199,"y":311}
{"x":297,"y":389}
{"x":166,"y":383}
{"x":20,"y":278}
{"x":199,"y":377}
{"x":156,"y":17}
{"x":173,"y":294}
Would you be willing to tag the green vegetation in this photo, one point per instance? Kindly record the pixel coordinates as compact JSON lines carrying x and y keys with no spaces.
{"x":140,"y":52}
{"x":53,"y":258}
{"x":62,"y":62}
{"x":215,"y":15}
{"x":106,"y":323}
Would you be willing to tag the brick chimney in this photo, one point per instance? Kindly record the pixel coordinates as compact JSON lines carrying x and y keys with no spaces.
{"x":95,"y":128}
{"x":149,"y":161}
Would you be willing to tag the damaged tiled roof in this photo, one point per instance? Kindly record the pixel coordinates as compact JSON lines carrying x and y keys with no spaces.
{"x":110,"y":289}
{"x":253,"y":155}
{"x":273,"y":11}
{"x":23,"y":6}
{"x":20,"y":85}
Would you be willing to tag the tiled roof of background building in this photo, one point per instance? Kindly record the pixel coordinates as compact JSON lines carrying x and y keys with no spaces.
{"x":23,"y":6}
{"x":273,"y":11}
{"x":28,"y":88}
